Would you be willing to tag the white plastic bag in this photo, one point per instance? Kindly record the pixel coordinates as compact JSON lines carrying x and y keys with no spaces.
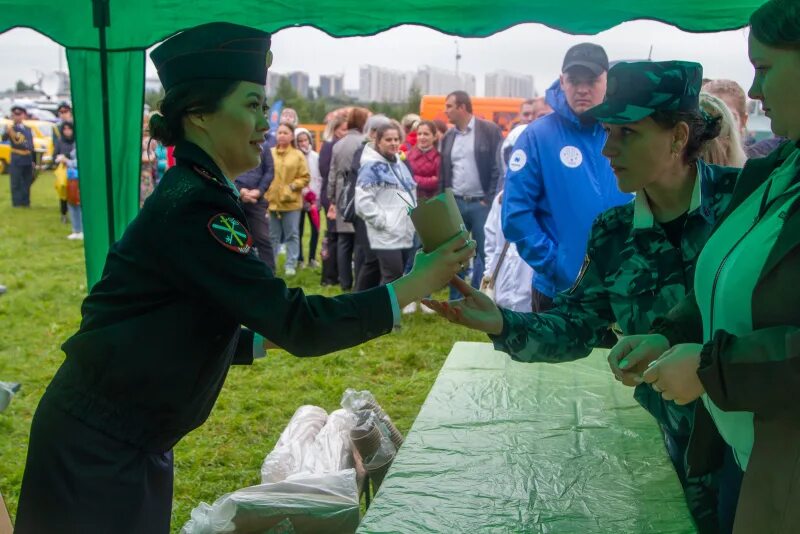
{"x":295,"y":444}
{"x":310,"y":503}
{"x":331,"y":450}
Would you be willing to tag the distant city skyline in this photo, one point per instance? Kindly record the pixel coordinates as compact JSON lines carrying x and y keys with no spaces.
{"x":529,"y":49}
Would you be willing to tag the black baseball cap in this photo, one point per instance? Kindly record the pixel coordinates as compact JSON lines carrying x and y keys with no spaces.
{"x":587,"y":55}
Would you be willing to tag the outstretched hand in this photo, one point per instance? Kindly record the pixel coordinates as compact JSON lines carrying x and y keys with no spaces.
{"x":475,"y":310}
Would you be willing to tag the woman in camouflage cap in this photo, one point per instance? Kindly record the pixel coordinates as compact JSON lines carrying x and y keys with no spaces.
{"x":640,"y":256}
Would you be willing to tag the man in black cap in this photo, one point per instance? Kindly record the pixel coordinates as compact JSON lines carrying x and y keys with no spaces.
{"x":23,"y":156}
{"x":558,"y":180}
{"x":64,"y":113}
{"x":162,"y":327}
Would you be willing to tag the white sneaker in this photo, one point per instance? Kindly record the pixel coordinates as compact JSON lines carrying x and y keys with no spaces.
{"x":426,"y":309}
{"x":74,"y":235}
{"x":289,"y":272}
{"x":79,"y":236}
{"x":410,"y":308}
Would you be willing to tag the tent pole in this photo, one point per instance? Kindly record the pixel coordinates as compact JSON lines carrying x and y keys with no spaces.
{"x":102,"y":19}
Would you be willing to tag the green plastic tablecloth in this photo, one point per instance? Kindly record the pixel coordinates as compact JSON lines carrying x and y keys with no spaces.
{"x":502,"y":446}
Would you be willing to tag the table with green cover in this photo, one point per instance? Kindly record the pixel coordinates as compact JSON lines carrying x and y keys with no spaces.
{"x":502,"y":446}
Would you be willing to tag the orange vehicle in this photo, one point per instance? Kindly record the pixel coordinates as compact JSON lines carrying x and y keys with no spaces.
{"x":502,"y":111}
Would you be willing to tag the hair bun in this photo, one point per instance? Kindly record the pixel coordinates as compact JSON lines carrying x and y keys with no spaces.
{"x":161,"y":131}
{"x":713,"y":126}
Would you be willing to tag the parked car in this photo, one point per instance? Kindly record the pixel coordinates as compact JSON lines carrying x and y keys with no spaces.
{"x":42,"y":140}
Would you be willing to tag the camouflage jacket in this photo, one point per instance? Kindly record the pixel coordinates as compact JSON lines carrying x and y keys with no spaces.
{"x":631,"y":275}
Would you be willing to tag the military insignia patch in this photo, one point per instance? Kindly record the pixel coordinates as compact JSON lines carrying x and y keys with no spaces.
{"x":581,"y":274}
{"x":230,"y":233}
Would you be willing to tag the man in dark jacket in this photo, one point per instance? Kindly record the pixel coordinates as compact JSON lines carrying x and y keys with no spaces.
{"x":22,"y":157}
{"x":470,"y":167}
{"x":252,"y":185}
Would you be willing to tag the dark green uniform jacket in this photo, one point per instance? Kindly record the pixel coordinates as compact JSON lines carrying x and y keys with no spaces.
{"x":162,"y":326}
{"x":632,"y":274}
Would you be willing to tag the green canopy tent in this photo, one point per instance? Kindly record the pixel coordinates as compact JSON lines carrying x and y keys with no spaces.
{"x":106,"y":42}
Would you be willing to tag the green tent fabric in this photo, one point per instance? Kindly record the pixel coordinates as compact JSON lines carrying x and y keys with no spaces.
{"x":131,"y":26}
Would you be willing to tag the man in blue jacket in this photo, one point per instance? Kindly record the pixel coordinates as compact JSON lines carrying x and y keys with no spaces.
{"x":558,"y":181}
{"x":252,"y":185}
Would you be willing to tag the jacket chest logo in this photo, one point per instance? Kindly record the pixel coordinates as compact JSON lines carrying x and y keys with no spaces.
{"x":571,"y":157}
{"x":230,"y":233}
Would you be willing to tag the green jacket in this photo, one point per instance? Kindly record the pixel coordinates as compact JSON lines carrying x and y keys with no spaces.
{"x":757,"y":372}
{"x":631,"y":275}
{"x":163,"y":325}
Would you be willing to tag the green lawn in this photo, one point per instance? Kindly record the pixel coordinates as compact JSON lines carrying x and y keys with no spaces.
{"x":45,"y":276}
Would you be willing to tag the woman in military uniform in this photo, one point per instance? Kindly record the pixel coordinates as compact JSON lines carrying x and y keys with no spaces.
{"x":640,"y":256}
{"x":163,"y":325}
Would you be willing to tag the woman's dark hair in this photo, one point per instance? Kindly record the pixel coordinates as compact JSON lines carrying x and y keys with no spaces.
{"x":71,"y":126}
{"x":197,"y":96}
{"x":291,"y":129}
{"x":777,"y":24}
{"x":702,"y":129}
{"x":357,"y":118}
{"x":382,"y":129}
{"x":430,"y":125}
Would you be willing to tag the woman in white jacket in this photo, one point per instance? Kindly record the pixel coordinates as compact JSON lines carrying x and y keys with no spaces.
{"x":512,"y":281}
{"x":384,"y":191}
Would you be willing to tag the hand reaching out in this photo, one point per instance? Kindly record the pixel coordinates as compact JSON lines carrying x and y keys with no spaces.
{"x":475,"y":310}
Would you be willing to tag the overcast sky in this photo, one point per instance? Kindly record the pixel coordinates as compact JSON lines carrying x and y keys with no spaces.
{"x":528,"y":48}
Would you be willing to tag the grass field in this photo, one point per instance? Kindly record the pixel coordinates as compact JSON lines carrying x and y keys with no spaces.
{"x":45,"y":276}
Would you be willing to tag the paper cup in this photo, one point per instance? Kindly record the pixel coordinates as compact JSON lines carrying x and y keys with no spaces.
{"x":437,"y":220}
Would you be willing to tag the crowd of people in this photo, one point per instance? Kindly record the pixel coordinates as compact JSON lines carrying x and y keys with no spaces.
{"x":629,"y":209}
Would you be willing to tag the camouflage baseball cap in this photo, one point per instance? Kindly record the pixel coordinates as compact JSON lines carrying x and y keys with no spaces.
{"x":637,"y":90}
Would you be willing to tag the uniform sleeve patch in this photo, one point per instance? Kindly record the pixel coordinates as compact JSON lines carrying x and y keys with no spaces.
{"x":230,"y":233}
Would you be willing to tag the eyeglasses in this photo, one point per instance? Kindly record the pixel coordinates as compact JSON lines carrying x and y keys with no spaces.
{"x":17,"y":112}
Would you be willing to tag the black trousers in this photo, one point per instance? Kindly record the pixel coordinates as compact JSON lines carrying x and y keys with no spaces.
{"x":78,"y":480}
{"x":330,"y":267}
{"x":344,"y":256}
{"x":392,"y":263}
{"x":20,"y":179}
{"x":259,"y":226}
{"x":313,"y":241}
{"x":368,"y":272}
